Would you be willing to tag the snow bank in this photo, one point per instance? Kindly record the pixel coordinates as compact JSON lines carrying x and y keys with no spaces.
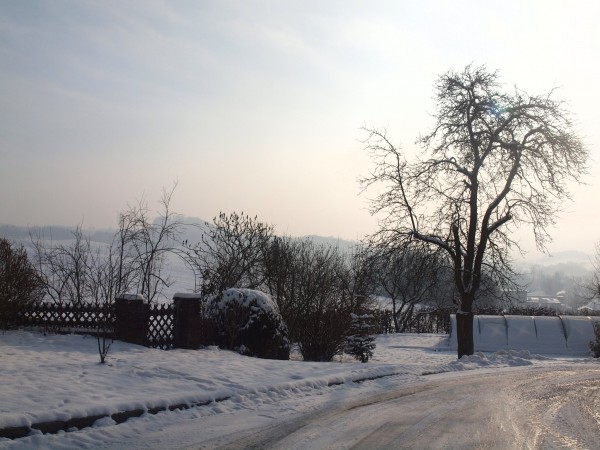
{"x":58,"y":377}
{"x":501,"y":358}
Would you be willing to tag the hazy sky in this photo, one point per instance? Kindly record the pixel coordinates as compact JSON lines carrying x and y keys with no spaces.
{"x":256,"y":106}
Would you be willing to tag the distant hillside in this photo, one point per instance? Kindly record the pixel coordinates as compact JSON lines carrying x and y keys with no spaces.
{"x":192,"y":231}
{"x":563,"y":257}
{"x":571,"y":263}
{"x":56,"y":233}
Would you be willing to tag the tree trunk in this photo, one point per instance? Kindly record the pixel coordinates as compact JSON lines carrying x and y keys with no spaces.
{"x":464,"y":333}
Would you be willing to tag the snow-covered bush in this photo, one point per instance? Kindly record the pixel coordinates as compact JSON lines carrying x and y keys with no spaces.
{"x":248,"y":321}
{"x":360,"y":343}
{"x":595,"y":344}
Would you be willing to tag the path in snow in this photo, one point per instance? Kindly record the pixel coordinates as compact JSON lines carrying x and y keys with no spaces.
{"x":529,"y":408}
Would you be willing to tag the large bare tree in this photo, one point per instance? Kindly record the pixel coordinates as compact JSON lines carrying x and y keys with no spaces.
{"x":493,"y":161}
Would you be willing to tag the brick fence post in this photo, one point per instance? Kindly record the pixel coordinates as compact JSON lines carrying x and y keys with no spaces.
{"x":131,"y":318}
{"x":187,"y":320}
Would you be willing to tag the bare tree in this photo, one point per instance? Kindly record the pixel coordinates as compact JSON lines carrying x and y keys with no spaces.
{"x":231,"y":253}
{"x":110,"y":272}
{"x":64,"y":266}
{"x":150,"y":241}
{"x":359,"y":279}
{"x":492,"y":162}
{"x":592,"y":285}
{"x":409,"y":276}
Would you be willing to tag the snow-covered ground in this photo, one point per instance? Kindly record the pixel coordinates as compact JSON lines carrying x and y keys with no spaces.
{"x":58,"y":377}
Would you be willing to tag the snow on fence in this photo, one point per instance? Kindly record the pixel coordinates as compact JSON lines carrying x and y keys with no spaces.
{"x":561,"y":335}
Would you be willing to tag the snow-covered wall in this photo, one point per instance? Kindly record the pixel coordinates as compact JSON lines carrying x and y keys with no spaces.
{"x":563,"y":335}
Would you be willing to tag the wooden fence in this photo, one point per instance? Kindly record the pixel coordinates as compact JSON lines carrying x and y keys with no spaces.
{"x":155,"y":321}
{"x":178,"y":324}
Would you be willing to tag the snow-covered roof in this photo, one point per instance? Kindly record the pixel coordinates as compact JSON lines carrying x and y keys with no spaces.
{"x":593,"y":305}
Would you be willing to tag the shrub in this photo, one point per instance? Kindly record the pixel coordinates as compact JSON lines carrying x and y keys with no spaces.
{"x":360,"y":343}
{"x":20,"y":284}
{"x":595,"y":345}
{"x":249,"y":321}
{"x":323,"y":334}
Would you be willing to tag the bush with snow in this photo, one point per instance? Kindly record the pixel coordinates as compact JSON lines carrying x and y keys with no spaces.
{"x":248,"y":321}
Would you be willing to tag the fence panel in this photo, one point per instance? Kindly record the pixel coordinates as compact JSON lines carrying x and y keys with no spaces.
{"x":68,"y":317}
{"x":161,"y":325}
{"x":89,"y":318}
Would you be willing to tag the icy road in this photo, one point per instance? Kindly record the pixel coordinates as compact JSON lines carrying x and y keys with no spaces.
{"x":527,"y":408}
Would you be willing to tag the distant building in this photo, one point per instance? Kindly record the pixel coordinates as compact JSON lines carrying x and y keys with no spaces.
{"x":542,"y":300}
{"x":593,"y":305}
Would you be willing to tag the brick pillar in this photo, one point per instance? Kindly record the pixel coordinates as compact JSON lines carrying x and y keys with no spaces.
{"x":131,"y":318}
{"x":187,"y":320}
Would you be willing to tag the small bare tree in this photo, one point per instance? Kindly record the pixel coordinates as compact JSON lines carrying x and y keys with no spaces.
{"x":492,"y":162}
{"x":110,"y":273}
{"x":150,"y":242}
{"x":64,"y":267}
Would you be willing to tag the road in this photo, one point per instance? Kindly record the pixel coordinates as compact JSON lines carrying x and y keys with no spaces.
{"x":527,"y":409}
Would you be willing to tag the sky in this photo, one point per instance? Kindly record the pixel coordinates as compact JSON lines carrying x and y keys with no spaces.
{"x":257,"y":106}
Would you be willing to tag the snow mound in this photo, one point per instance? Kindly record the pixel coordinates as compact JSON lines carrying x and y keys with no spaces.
{"x":501,"y":358}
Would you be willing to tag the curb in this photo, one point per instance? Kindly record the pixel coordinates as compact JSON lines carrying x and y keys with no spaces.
{"x":53,"y":427}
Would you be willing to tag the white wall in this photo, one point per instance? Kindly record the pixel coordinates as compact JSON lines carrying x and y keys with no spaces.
{"x":562,"y":335}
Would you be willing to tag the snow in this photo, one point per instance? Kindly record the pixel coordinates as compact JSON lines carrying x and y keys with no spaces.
{"x":521,"y":333}
{"x":492,"y":332}
{"x":244,"y":297}
{"x":59,"y":377}
{"x":559,"y":335}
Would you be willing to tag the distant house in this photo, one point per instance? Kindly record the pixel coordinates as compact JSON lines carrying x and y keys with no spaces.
{"x":541,"y":300}
{"x":593,"y":305}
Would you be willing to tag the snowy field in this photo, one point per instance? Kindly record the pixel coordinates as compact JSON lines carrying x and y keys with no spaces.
{"x":58,"y":377}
